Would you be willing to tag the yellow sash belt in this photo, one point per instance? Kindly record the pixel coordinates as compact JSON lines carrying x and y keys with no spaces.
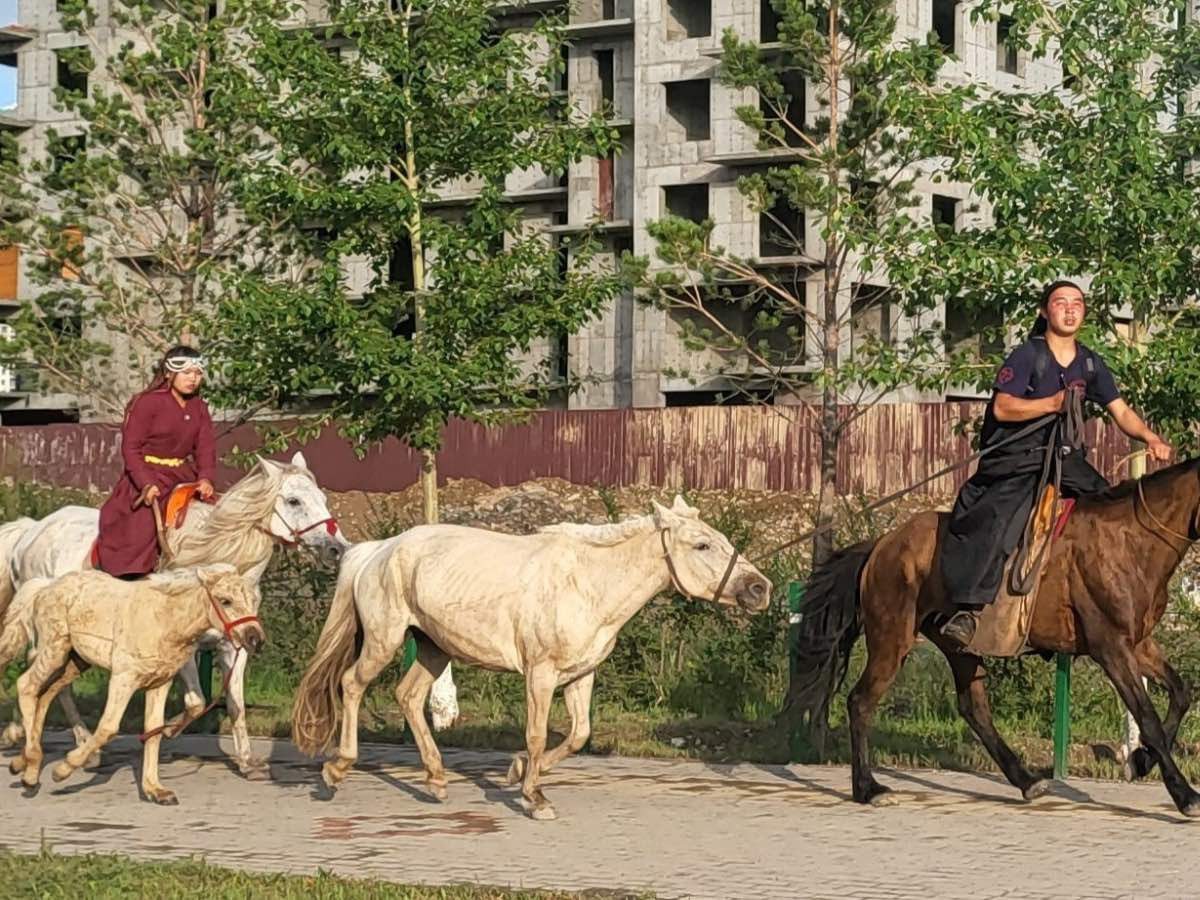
{"x":163,"y":461}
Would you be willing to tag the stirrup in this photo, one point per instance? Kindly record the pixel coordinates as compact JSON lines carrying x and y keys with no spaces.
{"x":961,"y":626}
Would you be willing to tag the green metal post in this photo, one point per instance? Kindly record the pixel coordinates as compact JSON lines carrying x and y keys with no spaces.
{"x":795,"y":597}
{"x":410,"y":657}
{"x":1062,"y":714}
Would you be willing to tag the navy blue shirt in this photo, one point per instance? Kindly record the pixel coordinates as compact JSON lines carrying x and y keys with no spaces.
{"x":1018,"y":377}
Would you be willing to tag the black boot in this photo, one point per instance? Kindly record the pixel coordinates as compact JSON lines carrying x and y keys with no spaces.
{"x":961,"y":626}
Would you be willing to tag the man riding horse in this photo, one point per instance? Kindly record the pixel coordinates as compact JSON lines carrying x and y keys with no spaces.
{"x":992,"y":507}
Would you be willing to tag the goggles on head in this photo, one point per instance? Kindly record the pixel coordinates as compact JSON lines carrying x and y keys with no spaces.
{"x":177,"y":364}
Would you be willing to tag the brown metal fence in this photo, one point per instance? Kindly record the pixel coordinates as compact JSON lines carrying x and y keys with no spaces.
{"x":705,"y":447}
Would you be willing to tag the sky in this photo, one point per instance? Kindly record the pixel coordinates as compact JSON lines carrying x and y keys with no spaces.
{"x":8,"y":77}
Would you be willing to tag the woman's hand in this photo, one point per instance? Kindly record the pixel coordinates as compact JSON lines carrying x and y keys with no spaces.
{"x":150,"y":494}
{"x":205,"y":488}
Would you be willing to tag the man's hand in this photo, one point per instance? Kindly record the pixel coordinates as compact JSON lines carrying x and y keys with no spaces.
{"x":1159,"y":449}
{"x":205,"y":488}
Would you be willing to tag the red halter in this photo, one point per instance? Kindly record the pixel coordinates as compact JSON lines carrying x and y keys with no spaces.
{"x":331,"y":528}
{"x":226,"y":623}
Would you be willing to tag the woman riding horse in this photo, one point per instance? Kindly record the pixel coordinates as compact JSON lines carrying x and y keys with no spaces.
{"x":166,"y":440}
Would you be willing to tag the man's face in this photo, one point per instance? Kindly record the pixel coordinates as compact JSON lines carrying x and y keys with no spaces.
{"x":1064,"y":311}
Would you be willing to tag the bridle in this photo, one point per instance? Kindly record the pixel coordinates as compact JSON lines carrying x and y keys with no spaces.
{"x":229,"y":624}
{"x":662,"y":535}
{"x":330,"y":523}
{"x":1187,"y":539}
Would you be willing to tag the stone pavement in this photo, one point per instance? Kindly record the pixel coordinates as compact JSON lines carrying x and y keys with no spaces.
{"x":678,"y":829}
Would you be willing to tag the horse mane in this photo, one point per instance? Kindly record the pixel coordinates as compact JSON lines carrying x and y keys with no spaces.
{"x":229,"y":532}
{"x":605,"y":535}
{"x":1127,"y":488}
{"x":174,"y":582}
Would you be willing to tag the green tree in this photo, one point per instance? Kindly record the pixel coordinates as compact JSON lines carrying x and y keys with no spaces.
{"x":125,"y":215}
{"x":823,"y":314}
{"x":1094,"y":177}
{"x":410,"y":314}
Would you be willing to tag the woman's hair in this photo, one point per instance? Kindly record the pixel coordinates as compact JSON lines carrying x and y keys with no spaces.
{"x":168,"y":365}
{"x":1041,"y":324}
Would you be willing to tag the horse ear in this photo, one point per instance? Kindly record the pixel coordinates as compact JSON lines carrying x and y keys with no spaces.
{"x":299,"y":461}
{"x":208,"y":575}
{"x":267,"y":465}
{"x":681,"y":506}
{"x":662,"y":515}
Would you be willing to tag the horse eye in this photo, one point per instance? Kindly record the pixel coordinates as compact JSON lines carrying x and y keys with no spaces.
{"x":702,"y":546}
{"x":293,"y":501}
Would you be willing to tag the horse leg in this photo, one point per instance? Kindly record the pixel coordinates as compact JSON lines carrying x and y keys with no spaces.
{"x":1154,"y":665}
{"x":120,"y":690}
{"x":411,"y":692}
{"x":35,"y":690}
{"x":376,"y":654}
{"x":540,"y":682}
{"x":152,"y":720}
{"x":578,"y":697}
{"x":884,"y":657}
{"x":1117,"y":658}
{"x":234,"y":663}
{"x":971,"y":688}
{"x":193,"y":692}
{"x":443,"y":700}
{"x":78,"y":728}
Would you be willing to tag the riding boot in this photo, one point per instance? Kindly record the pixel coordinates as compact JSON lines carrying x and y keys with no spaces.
{"x":960,"y":628}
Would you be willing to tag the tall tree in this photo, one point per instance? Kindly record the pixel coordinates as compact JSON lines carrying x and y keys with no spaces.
{"x":839,"y":217}
{"x":125,"y":214}
{"x":409,"y":317}
{"x":1096,"y":177}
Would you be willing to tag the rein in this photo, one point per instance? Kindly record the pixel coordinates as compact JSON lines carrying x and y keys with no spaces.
{"x":662,"y":536}
{"x":891,"y":498}
{"x":173,"y":729}
{"x":1141,"y":495}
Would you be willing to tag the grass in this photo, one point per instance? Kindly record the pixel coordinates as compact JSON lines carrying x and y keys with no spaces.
{"x":51,"y":876}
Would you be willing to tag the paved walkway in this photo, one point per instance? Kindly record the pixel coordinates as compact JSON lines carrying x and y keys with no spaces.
{"x":679,"y":829}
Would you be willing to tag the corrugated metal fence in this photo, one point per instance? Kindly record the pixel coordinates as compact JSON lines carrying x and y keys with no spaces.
{"x":735,"y":447}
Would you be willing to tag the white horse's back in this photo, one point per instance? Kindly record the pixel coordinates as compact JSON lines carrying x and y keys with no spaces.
{"x":57,"y":544}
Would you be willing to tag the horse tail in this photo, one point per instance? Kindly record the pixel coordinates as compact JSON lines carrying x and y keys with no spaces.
{"x":10,"y":534}
{"x":16,"y":632}
{"x":318,"y":702}
{"x":829,"y":626}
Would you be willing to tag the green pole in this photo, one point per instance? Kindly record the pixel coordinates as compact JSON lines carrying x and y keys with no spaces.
{"x":1062,"y":714}
{"x":795,"y":597}
{"x":410,"y":657}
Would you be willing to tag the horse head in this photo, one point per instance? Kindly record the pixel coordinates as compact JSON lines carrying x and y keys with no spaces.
{"x":704,"y":563}
{"x":300,"y":514}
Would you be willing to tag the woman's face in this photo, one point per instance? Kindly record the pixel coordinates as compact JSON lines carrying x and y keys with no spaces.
{"x":1064,"y":311}
{"x":188,"y":381}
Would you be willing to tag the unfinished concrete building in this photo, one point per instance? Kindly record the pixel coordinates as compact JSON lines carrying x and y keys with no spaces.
{"x":651,"y":65}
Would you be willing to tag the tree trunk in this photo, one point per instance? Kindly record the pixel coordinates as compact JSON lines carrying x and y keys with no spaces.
{"x":429,"y":491}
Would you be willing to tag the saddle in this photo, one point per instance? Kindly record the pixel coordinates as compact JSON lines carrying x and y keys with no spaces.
{"x":1003,"y":625}
{"x":170,"y":515}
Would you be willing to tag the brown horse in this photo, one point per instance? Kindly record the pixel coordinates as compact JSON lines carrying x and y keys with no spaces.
{"x":1103,"y":592}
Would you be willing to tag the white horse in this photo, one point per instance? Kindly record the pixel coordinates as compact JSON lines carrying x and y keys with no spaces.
{"x":141,"y":632}
{"x":275,"y":504}
{"x":548,"y":605}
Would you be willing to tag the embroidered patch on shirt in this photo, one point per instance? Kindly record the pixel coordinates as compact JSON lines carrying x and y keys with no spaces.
{"x":1006,"y":375}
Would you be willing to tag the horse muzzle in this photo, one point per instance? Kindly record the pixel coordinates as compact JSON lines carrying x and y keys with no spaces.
{"x":251,"y":637}
{"x":754,"y":593}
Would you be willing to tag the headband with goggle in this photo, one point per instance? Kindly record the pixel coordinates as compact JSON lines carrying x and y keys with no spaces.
{"x":177,"y":364}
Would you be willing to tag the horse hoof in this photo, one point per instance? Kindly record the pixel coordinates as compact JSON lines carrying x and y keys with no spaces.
{"x":1191,"y":809}
{"x":323,"y":792}
{"x":331,"y":776}
{"x":883,"y":797}
{"x":1035,"y":790}
{"x":17,"y":765}
{"x":255,"y":770}
{"x":543,"y":813}
{"x":31,"y":791}
{"x":164,"y":798}
{"x":62,"y":771}
{"x":438,"y":792}
{"x":516,"y":771}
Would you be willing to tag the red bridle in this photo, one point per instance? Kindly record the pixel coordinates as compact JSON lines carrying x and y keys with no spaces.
{"x":227,"y":624}
{"x":331,"y":528}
